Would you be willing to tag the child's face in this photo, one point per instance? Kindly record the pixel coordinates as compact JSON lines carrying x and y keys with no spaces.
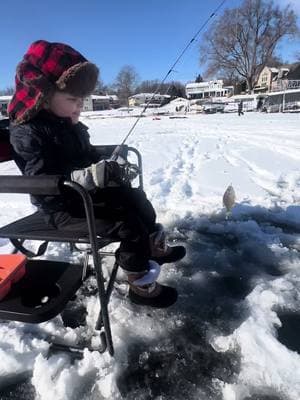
{"x":66,"y":105}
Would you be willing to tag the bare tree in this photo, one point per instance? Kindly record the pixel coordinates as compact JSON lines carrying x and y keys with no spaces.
{"x":173,"y":88}
{"x":244,"y":39}
{"x":100,"y":88}
{"x":149,"y":86}
{"x":125,"y":83}
{"x":6,"y":92}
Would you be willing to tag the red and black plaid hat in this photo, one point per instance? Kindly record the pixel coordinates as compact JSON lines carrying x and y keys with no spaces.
{"x":47,"y":67}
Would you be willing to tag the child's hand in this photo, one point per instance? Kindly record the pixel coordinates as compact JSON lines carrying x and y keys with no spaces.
{"x":107,"y":173}
{"x":113,"y":173}
{"x":101,"y":175}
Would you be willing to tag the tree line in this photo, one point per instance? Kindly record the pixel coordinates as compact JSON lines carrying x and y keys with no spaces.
{"x":127,"y":83}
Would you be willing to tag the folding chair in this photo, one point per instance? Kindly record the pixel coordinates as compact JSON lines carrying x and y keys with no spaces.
{"x":48,"y":285}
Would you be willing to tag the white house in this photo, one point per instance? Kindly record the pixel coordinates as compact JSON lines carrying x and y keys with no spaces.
{"x":207,"y":90}
{"x":142,"y":99}
{"x":95,"y":103}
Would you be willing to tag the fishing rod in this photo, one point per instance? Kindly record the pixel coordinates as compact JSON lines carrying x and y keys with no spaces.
{"x":117,"y":150}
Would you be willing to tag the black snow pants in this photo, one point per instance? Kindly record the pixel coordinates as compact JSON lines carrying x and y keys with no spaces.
{"x":121,"y":213}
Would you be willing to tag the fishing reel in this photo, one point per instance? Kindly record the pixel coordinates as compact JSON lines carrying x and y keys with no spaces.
{"x":129,"y":172}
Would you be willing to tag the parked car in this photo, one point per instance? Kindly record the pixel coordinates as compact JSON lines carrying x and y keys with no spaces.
{"x":292,"y":106}
{"x":212,"y":108}
{"x":272,"y":108}
{"x":231,"y":107}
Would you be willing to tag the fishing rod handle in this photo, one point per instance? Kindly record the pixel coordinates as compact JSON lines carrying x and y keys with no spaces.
{"x":115,"y":153}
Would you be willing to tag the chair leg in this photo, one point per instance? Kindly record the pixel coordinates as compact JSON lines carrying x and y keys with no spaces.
{"x":104,"y":308}
{"x":85,"y":265}
{"x":108,"y":292}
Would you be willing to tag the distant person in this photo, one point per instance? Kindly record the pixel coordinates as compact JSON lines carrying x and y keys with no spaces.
{"x":259,"y":104}
{"x":240,"y":108}
{"x":51,"y":82}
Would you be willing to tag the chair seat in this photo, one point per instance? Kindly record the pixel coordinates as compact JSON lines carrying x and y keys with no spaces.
{"x":43,"y":291}
{"x":34,"y":227}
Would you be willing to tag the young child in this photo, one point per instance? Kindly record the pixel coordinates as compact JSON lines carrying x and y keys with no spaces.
{"x":48,"y":139}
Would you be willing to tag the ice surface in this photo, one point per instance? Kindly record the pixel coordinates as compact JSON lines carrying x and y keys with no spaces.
{"x":240,"y":275}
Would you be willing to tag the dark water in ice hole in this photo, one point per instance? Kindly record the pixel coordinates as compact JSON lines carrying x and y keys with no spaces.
{"x":183,"y":365}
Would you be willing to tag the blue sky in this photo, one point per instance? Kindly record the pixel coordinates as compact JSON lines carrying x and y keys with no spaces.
{"x":146,"y":34}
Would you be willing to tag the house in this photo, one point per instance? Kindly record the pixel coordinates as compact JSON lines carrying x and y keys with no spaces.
{"x":141,"y":99}
{"x":277,"y":79}
{"x":291,"y":80}
{"x":97,"y":103}
{"x":265,"y":79}
{"x":207,"y":90}
{"x":114,"y":100}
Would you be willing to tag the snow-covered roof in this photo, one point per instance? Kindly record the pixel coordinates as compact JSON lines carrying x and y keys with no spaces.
{"x":97,"y":97}
{"x":142,"y":95}
{"x":5,"y":98}
{"x":113,"y":97}
{"x":179,"y":100}
{"x":244,"y":96}
{"x":194,"y":85}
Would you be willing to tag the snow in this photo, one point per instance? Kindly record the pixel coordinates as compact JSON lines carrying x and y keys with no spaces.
{"x":240,"y":276}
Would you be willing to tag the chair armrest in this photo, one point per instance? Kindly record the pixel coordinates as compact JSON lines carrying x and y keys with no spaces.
{"x":35,"y":185}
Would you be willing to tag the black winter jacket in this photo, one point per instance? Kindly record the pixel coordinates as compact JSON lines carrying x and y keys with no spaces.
{"x":50,"y":145}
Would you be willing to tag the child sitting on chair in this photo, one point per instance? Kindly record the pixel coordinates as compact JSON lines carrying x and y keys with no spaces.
{"x":51,"y":82}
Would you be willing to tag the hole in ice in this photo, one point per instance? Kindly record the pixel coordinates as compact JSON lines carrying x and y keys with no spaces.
{"x":288,"y":333}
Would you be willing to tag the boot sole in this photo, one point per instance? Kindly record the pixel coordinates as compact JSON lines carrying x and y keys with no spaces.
{"x":166,"y":298}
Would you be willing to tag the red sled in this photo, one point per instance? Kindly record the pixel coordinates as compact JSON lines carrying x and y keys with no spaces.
{"x":12,"y":269}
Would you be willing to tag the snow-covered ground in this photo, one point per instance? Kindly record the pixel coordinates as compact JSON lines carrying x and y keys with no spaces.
{"x":234,"y":332}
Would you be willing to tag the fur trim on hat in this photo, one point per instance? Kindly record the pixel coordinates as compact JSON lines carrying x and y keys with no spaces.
{"x":79,"y":80}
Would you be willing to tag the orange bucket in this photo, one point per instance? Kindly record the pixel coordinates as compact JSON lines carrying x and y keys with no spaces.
{"x":12,"y":269}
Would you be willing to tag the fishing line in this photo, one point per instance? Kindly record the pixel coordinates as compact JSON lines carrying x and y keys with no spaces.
{"x":117,"y":150}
